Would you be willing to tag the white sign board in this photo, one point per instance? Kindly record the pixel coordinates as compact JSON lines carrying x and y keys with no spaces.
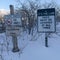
{"x":10,"y":30}
{"x":13,"y":25}
{"x":16,"y":21}
{"x":46,"y":20}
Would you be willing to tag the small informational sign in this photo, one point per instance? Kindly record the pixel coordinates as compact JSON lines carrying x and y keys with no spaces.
{"x":8,"y":22}
{"x":16,"y":21}
{"x":46,"y":20}
{"x":13,"y":24}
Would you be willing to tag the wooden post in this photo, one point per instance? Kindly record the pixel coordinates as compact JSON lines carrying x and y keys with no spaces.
{"x":15,"y":43}
{"x":11,"y":9}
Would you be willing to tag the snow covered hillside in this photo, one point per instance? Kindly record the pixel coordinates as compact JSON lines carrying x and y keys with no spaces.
{"x":31,"y":47}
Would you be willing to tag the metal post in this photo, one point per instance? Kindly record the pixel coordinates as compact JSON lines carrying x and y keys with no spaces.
{"x":15,"y":43}
{"x":46,"y":40}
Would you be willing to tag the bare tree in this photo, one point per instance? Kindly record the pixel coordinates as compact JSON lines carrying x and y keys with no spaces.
{"x":29,"y":11}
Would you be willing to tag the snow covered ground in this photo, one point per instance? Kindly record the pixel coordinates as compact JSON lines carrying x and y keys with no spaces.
{"x":31,"y":47}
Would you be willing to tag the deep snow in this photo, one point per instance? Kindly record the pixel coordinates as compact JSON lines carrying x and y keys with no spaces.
{"x":31,"y":47}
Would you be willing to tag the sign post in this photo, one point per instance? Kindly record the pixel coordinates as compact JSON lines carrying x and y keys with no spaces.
{"x":15,"y":43}
{"x":13,"y":24}
{"x":46,"y":22}
{"x":46,"y":39}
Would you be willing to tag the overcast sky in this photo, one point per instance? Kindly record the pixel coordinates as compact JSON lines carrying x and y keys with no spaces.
{"x":4,"y":4}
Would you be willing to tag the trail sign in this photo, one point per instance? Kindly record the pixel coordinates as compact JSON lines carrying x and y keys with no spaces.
{"x":46,"y":20}
{"x":13,"y":24}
